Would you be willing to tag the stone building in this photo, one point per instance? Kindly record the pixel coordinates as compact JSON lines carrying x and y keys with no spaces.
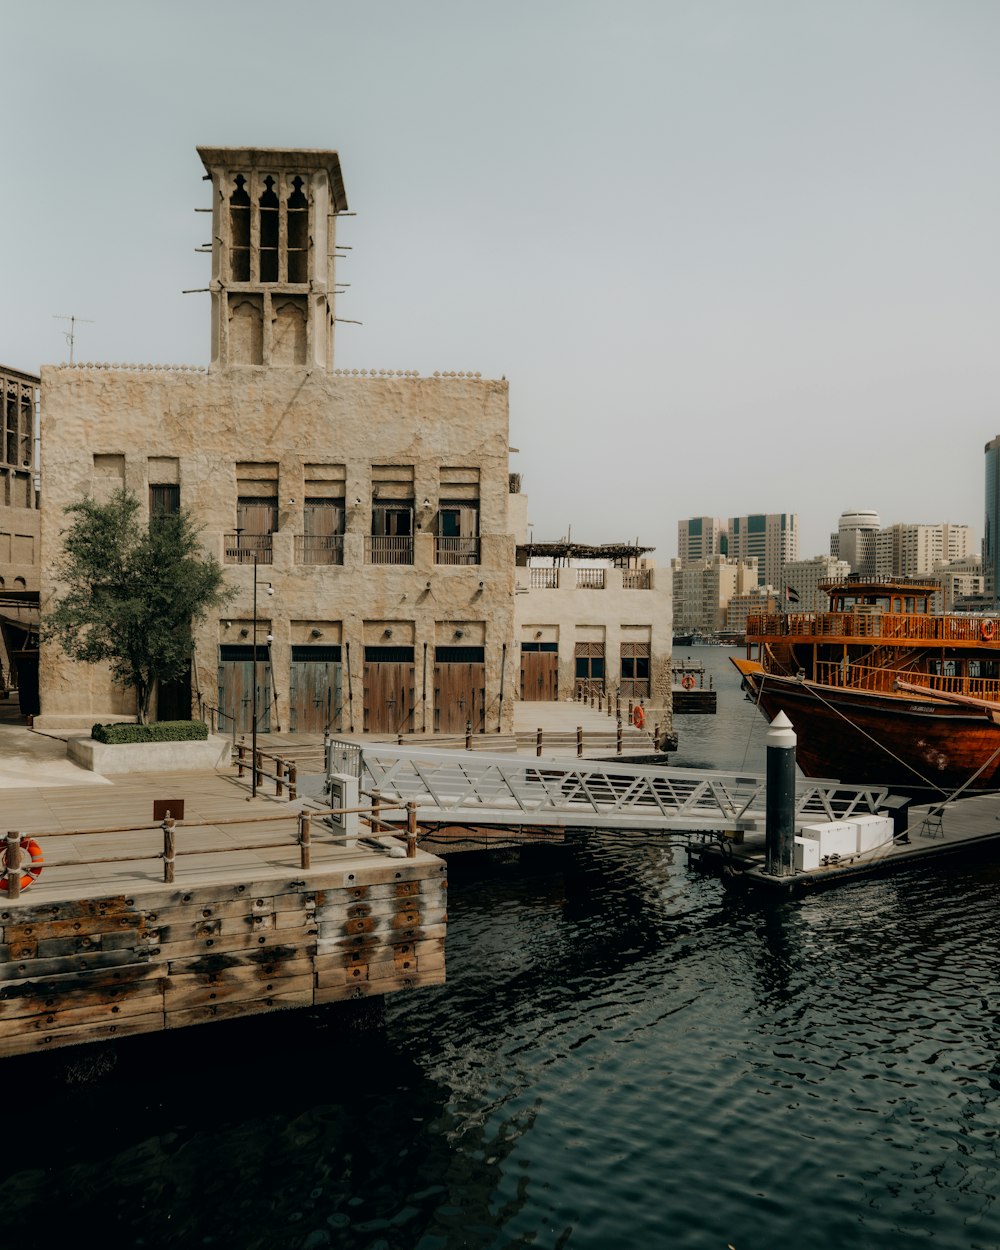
{"x":592,"y":619}
{"x":19,"y":535}
{"x":365,"y":513}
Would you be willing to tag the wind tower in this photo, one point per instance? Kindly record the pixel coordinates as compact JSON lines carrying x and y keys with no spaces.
{"x":274,"y":213}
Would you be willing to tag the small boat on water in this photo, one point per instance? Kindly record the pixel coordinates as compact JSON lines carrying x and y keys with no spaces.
{"x":881,"y":689}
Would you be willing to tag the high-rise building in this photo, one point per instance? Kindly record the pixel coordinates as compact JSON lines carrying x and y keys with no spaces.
{"x":700,"y":538}
{"x":772,"y":539}
{"x":914,"y":550}
{"x":991,"y":528}
{"x":703,"y":589}
{"x":855,"y":540}
{"x":803,"y":578}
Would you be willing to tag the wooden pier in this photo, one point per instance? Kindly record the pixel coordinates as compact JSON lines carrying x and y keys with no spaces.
{"x":690,"y":695}
{"x":135,"y":926}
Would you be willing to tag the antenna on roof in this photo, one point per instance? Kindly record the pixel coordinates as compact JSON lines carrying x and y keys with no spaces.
{"x":71,"y":332}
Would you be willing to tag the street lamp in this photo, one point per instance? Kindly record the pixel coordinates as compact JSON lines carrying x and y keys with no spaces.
{"x":253,"y":726}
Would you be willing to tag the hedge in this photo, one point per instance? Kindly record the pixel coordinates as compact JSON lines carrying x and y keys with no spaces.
{"x":159,"y":731}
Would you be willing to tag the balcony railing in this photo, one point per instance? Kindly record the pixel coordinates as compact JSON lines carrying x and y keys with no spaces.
{"x":384,"y":549}
{"x":450,"y":550}
{"x":590,"y":579}
{"x":319,"y":548}
{"x":248,"y":548}
{"x":544,"y":579}
{"x":636,"y":579}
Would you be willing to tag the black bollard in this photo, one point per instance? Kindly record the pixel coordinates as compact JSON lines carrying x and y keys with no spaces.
{"x":780,"y":808}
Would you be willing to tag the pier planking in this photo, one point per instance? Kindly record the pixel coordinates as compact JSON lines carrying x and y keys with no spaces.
{"x":239,"y":932}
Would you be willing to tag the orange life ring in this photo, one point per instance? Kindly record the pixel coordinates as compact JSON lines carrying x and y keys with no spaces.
{"x":30,"y":870}
{"x":988,"y":629}
{"x":687,"y":681}
{"x":638,"y":717}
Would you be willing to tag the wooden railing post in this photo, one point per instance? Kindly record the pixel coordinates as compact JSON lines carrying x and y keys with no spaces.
{"x":579,"y":740}
{"x":305,"y":838}
{"x":258,"y":768}
{"x":293,"y":780}
{"x":619,"y":735}
{"x":630,"y":710}
{"x":538,"y":741}
{"x":241,"y":751}
{"x":279,"y":777}
{"x":656,"y":735}
{"x":13,"y":864}
{"x":169,"y":848}
{"x":468,"y":735}
{"x":411,"y":830}
{"x":376,"y":816}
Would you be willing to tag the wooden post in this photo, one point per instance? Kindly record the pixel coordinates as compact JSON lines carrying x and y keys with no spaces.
{"x":279,"y":775}
{"x":13,"y":864}
{"x":241,"y":751}
{"x":468,"y":735}
{"x":376,"y":816}
{"x":258,"y":767}
{"x":630,"y":710}
{"x":609,"y":704}
{"x":579,"y":740}
{"x":399,"y":739}
{"x":538,"y":742}
{"x":169,"y":848}
{"x":592,"y":698}
{"x":293,"y":777}
{"x":600,"y":701}
{"x":305,"y":838}
{"x":411,"y":830}
{"x":656,"y":735}
{"x":619,"y":735}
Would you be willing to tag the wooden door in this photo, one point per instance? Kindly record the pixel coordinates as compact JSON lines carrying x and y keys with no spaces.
{"x":539,"y":676}
{"x":236,"y":690}
{"x":315,"y":696}
{"x":459,"y":689}
{"x":388,"y":690}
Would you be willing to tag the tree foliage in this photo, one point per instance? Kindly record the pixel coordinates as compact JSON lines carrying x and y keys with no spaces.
{"x":133,"y":592}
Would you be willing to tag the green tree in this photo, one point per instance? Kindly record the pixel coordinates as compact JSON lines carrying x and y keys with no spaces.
{"x":133,"y":592}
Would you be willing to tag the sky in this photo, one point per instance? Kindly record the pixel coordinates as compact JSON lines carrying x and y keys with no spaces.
{"x":732,"y":256}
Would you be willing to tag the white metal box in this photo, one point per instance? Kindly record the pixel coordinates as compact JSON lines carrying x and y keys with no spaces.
{"x":873,"y":831}
{"x":835,"y":837}
{"x":806,"y":854}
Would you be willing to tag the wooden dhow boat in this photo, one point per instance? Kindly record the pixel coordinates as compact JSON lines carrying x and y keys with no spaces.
{"x":882,"y":689}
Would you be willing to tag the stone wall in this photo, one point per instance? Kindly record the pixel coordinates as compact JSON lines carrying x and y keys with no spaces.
{"x":103,"y":427}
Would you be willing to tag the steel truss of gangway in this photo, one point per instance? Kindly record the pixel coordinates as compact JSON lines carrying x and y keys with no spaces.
{"x":473,"y":788}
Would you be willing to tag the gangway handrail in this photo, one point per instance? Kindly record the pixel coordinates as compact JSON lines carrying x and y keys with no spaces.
{"x":498,"y":787}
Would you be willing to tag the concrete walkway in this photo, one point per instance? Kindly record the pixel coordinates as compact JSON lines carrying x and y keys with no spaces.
{"x":30,"y":759}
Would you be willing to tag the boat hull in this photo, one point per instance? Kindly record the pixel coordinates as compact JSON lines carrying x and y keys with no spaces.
{"x":921,"y":746}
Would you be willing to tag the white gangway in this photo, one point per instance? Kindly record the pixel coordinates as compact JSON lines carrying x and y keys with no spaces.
{"x":476,"y":788}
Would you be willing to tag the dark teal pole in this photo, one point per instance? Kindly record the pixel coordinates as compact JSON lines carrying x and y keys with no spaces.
{"x":780,"y":806}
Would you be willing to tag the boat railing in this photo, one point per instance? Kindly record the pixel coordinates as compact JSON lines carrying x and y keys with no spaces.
{"x":887,"y":626}
{"x":883,"y":680}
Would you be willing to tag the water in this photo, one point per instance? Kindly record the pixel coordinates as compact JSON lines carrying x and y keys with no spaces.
{"x":625,"y":1055}
{"x":732,"y":739}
